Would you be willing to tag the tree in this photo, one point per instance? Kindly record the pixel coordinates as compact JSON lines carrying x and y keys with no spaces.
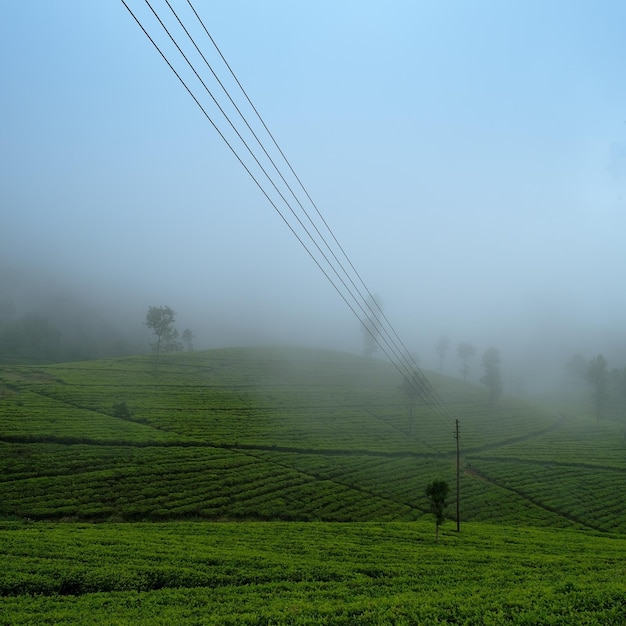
{"x":597,"y":377}
{"x":188,"y":337}
{"x":371,"y":326}
{"x":443,"y":344}
{"x":121,"y":410}
{"x":437,"y":492}
{"x":465,"y":351}
{"x":160,"y":319}
{"x":492,"y":378}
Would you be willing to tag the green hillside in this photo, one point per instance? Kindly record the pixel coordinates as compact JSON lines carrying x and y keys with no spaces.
{"x":286,"y":434}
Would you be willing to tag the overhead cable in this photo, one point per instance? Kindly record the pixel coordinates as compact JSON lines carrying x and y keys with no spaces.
{"x":388,"y":340}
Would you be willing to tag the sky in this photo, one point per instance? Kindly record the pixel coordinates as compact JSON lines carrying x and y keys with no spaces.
{"x":470,"y":158}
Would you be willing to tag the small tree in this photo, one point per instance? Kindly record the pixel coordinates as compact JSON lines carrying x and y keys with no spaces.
{"x":188,"y":338}
{"x":465,"y":352}
{"x":122,"y":411}
{"x":443,"y":344}
{"x":597,"y":377}
{"x":437,"y":492}
{"x":160,"y":319}
{"x":492,"y":379}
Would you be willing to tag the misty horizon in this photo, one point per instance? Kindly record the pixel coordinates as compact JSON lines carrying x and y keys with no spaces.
{"x":476,"y":181}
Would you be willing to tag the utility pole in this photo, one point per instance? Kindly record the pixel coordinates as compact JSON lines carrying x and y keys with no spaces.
{"x":458,"y":479}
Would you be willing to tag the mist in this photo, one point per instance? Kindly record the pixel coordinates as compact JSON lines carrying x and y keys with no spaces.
{"x":472,"y":163}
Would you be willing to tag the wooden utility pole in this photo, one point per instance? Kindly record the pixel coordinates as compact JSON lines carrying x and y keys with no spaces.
{"x":458,"y":479}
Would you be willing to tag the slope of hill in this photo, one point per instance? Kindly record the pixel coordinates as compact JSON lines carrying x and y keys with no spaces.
{"x":286,"y":434}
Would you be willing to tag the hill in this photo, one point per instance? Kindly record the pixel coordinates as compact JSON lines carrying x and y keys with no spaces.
{"x":286,"y":434}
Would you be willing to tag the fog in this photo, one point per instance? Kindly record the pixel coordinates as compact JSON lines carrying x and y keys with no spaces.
{"x":469,"y":157}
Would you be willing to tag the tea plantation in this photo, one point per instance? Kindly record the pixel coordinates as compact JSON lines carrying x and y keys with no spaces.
{"x":240,"y":469}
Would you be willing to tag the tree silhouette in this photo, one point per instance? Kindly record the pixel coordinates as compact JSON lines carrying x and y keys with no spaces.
{"x":188,"y":338}
{"x":160,"y":319}
{"x":437,"y":492}
{"x":465,"y":352}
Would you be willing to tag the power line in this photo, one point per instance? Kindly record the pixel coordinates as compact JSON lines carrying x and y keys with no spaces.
{"x":246,"y":144}
{"x":357,"y":274}
{"x":413,"y":364}
{"x":427,"y":393}
{"x":236,"y":154}
{"x":403,"y":361}
{"x":341,"y":279}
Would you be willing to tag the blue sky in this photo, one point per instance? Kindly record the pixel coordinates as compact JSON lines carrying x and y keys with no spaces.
{"x":469,"y":156}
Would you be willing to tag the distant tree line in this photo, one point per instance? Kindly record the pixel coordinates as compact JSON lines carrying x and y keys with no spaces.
{"x":608,"y":386}
{"x":29,"y":337}
{"x":34,"y":338}
{"x":371,"y":331}
{"x":490,"y":361}
{"x":42,"y":321}
{"x":46,"y":323}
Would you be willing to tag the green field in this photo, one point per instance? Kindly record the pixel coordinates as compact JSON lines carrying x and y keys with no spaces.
{"x":308,"y":573}
{"x":286,"y":486}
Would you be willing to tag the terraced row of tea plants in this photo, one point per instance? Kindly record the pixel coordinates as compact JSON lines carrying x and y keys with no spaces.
{"x":294,"y":573}
{"x":594,"y":499}
{"x":99,"y":483}
{"x":287,"y":434}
